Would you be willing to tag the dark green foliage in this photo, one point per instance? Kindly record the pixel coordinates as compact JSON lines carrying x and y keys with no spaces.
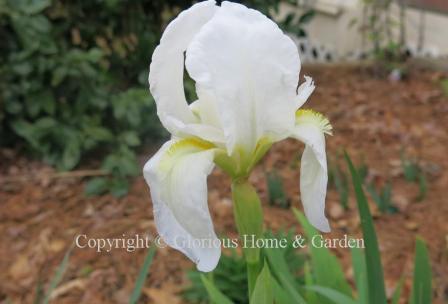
{"x":230,"y":276}
{"x":73,"y":80}
{"x":316,"y":277}
{"x":291,"y":23}
{"x":276,"y":191}
{"x":216,"y":296}
{"x":383,"y":197}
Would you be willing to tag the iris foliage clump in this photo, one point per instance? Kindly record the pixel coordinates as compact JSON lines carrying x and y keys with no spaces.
{"x":319,"y":277}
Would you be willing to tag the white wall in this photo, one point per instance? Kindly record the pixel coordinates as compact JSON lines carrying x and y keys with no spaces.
{"x":330,"y":29}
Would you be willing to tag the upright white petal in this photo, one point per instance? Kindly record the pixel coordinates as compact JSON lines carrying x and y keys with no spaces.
{"x":310,"y":129}
{"x":167,"y":66}
{"x":304,"y":91}
{"x":177,"y":177}
{"x":243,"y":61}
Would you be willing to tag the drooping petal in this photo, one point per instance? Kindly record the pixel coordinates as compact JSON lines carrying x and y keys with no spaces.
{"x":167,"y":66}
{"x":177,"y":177}
{"x":250,"y":68}
{"x":304,"y":91}
{"x":310,"y":128}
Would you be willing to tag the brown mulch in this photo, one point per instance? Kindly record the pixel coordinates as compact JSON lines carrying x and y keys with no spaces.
{"x":373,"y":119}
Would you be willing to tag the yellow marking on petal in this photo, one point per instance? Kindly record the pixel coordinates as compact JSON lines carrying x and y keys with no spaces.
{"x":181,"y":148}
{"x":191,"y":143}
{"x":315,"y":118}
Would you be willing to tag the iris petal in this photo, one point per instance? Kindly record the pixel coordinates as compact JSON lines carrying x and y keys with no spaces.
{"x":244,"y":62}
{"x":167,"y":67}
{"x":304,"y":91}
{"x":177,"y":177}
{"x":310,"y":129}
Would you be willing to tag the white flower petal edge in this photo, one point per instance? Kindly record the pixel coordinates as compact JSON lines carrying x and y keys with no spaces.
{"x":244,"y":62}
{"x":166,"y":74}
{"x":177,"y":177}
{"x":311,"y":128}
{"x":304,"y":91}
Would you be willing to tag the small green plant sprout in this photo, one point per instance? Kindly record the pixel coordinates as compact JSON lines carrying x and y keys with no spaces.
{"x":338,"y":178}
{"x":44,"y":297}
{"x":140,"y":282}
{"x":422,"y":186}
{"x":444,"y":86}
{"x":410,"y":167}
{"x":414,"y":173}
{"x":382,"y":197}
{"x":276,"y":191}
{"x":363,"y":170}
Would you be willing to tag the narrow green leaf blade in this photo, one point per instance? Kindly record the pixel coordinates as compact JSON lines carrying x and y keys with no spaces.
{"x":281,"y":296}
{"x":360,"y":271}
{"x":58,"y":276}
{"x":311,"y":296}
{"x":333,"y":295}
{"x":326,"y":268}
{"x":397,"y":292}
{"x":422,"y":186}
{"x":421,"y":290}
{"x":281,"y":271}
{"x":263,"y":288}
{"x":375,"y":277}
{"x":142,"y":276}
{"x":39,"y":293}
{"x":214,"y":293}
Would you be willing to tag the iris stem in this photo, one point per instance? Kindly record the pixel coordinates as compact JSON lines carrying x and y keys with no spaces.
{"x":249,"y":221}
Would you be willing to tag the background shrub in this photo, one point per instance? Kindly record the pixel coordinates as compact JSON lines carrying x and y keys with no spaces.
{"x":73,"y":80}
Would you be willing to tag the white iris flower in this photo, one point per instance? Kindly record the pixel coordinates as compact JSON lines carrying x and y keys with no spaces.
{"x":246,"y":72}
